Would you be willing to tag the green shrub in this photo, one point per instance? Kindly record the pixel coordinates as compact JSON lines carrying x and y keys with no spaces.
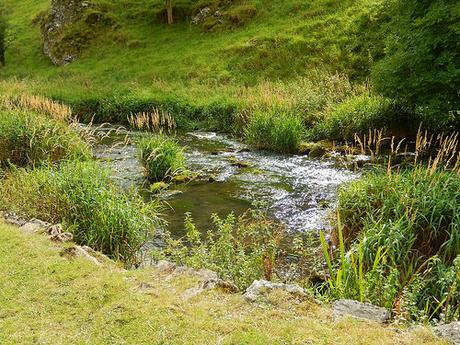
{"x":28,"y":139}
{"x":239,"y":250}
{"x":80,"y":196}
{"x":245,"y":248}
{"x":411,"y":218}
{"x":357,"y":114}
{"x":161,"y":156}
{"x":274,"y":131}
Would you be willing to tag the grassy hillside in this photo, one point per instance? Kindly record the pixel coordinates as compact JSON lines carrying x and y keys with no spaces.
{"x":62,"y":301}
{"x":141,"y":58}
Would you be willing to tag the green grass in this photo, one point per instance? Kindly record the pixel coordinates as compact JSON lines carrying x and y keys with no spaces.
{"x":162,"y":157}
{"x":203,"y":78}
{"x":275,"y":131}
{"x":31,"y":139}
{"x":403,"y":229}
{"x":80,"y":195}
{"x":49,"y":299}
{"x":358,"y":114}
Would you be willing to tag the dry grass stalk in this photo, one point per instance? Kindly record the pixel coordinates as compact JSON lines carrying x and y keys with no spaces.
{"x":154,"y":121}
{"x":434,"y":152}
{"x":39,"y":104}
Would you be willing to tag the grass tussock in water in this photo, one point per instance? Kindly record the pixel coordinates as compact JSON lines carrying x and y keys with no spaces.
{"x":30,"y":139}
{"x":162,"y":157}
{"x":399,"y":241}
{"x":80,"y":195}
{"x":274,"y":131}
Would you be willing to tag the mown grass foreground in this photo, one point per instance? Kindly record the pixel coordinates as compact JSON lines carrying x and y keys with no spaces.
{"x":47,"y":299}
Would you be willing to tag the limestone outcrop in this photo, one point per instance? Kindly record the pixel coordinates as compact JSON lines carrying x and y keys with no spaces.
{"x":69,"y":27}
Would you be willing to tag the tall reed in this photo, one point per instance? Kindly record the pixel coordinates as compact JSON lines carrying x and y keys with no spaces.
{"x":411,"y":211}
{"x":155,"y":121}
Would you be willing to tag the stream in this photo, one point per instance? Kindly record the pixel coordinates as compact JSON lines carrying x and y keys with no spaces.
{"x":298,"y":191}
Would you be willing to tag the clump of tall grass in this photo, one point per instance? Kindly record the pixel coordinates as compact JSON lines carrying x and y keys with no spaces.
{"x":162,"y":157}
{"x":31,"y":139}
{"x":154,"y":121}
{"x":274,"y":131}
{"x":401,"y":231}
{"x":80,"y":195}
{"x":356,"y":115}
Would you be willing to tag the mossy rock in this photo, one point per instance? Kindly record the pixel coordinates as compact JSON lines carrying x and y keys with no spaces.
{"x":70,"y":26}
{"x":158,"y":186}
{"x":316,"y":150}
{"x":184,"y":177}
{"x":238,"y":163}
{"x":218,"y":15}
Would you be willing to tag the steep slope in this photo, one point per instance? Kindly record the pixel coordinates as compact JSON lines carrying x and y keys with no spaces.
{"x":141,"y":56}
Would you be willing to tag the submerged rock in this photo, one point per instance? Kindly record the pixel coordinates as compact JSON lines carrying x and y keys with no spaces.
{"x":359,"y":310}
{"x":238,"y":163}
{"x":262,"y":287}
{"x":450,"y":332}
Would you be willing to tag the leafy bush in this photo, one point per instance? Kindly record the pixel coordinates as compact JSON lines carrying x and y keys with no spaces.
{"x":243,"y":249}
{"x":421,"y":66}
{"x":80,"y":196}
{"x":357,"y":115}
{"x":161,"y":156}
{"x":29,"y":139}
{"x":404,"y":228}
{"x":239,"y":250}
{"x":275,"y":131}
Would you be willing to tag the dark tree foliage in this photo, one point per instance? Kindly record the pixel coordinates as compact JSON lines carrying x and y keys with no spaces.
{"x":421,"y":66}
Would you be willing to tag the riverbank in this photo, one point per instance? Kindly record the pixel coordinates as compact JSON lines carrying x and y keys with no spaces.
{"x":57,"y":300}
{"x":319,"y":66}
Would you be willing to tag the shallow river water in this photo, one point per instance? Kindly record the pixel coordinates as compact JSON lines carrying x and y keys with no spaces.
{"x":297,"y":190}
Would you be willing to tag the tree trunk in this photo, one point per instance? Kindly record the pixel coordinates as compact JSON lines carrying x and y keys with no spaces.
{"x":169,"y":11}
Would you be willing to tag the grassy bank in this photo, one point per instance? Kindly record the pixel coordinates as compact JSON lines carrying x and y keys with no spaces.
{"x":82,"y":197}
{"x":398,"y":235}
{"x":299,"y":58}
{"x":48,"y":173}
{"x":57,"y":301}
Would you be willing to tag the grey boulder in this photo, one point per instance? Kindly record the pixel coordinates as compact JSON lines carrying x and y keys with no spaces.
{"x":364,"y":311}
